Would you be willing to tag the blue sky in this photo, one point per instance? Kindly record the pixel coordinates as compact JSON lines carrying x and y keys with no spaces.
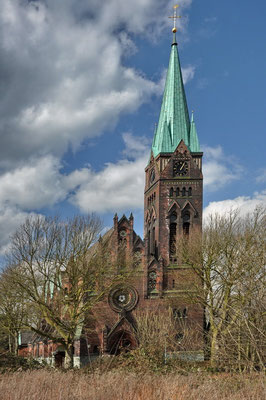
{"x":81,"y":89}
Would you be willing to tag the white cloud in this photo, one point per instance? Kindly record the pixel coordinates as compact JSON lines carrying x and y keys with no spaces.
{"x":63,"y":74}
{"x":118,"y":186}
{"x":135,"y":146}
{"x":261,"y":178}
{"x":188,"y":73}
{"x":245,"y":205}
{"x":10,"y":219}
{"x":35,"y":185}
{"x":39,"y":184}
{"x":218,"y":168}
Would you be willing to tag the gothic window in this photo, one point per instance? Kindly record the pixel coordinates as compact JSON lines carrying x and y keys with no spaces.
{"x":137,"y":257}
{"x":183,"y":191}
{"x":180,"y":313}
{"x":176,"y":313}
{"x":121,"y":257}
{"x":172,"y":238}
{"x":177,"y":192}
{"x":173,"y":284}
{"x":171,"y":192}
{"x":123,"y":234}
{"x":152,"y":278}
{"x":190,"y":191}
{"x":186,"y":222}
{"x":153,"y":241}
{"x":138,"y":254}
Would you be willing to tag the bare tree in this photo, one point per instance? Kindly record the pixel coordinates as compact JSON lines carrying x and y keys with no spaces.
{"x":61,"y":274}
{"x":13,"y":311}
{"x":229,"y":258}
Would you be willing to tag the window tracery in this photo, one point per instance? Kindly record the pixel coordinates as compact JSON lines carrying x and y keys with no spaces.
{"x":172,"y":237}
{"x":152,"y":279}
{"x":180,"y":313}
{"x":186,"y":222}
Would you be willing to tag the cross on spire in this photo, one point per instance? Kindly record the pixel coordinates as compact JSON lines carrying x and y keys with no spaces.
{"x":174,"y":17}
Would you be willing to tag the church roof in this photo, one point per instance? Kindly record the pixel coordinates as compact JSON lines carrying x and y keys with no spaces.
{"x":174,"y":123}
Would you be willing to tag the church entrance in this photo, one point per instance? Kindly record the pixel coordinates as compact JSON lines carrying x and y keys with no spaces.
{"x":121,"y":341}
{"x":59,"y":359}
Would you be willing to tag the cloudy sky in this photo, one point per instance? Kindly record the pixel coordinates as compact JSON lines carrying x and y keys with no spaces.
{"x":81,"y":86}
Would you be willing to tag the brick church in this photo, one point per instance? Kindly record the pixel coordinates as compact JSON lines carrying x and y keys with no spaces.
{"x":172,"y":209}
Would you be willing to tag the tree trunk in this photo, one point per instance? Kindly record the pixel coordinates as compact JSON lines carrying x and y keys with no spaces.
{"x":9,"y":344}
{"x":213,"y":349}
{"x":69,"y":359}
{"x":16,"y":343}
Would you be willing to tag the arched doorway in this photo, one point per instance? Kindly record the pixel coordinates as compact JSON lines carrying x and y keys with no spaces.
{"x":59,"y":359}
{"x":121,"y":341}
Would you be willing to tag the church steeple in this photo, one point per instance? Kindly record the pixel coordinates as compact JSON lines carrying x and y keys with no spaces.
{"x":174,"y":124}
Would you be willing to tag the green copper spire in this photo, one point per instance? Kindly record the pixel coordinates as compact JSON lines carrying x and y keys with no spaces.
{"x":174,"y":123}
{"x":193,"y":137}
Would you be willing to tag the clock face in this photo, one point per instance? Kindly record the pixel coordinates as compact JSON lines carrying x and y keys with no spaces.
{"x":152,"y":176}
{"x":180,"y":168}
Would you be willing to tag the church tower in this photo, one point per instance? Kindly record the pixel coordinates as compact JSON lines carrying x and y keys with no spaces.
{"x":173,"y":187}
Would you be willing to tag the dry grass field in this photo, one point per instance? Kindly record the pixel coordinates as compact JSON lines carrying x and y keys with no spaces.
{"x":57,"y":385}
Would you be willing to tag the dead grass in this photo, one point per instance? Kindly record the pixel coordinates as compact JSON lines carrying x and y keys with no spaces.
{"x":48,"y":385}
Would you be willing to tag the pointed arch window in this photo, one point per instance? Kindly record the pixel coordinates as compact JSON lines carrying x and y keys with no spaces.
{"x":190,"y":191}
{"x":152,"y":279}
{"x":180,"y":313}
{"x":153,"y":241}
{"x":186,"y":222}
{"x":177,"y":192}
{"x":172,"y":237}
{"x":151,"y":238}
{"x":184,"y":191}
{"x":171,"y":192}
